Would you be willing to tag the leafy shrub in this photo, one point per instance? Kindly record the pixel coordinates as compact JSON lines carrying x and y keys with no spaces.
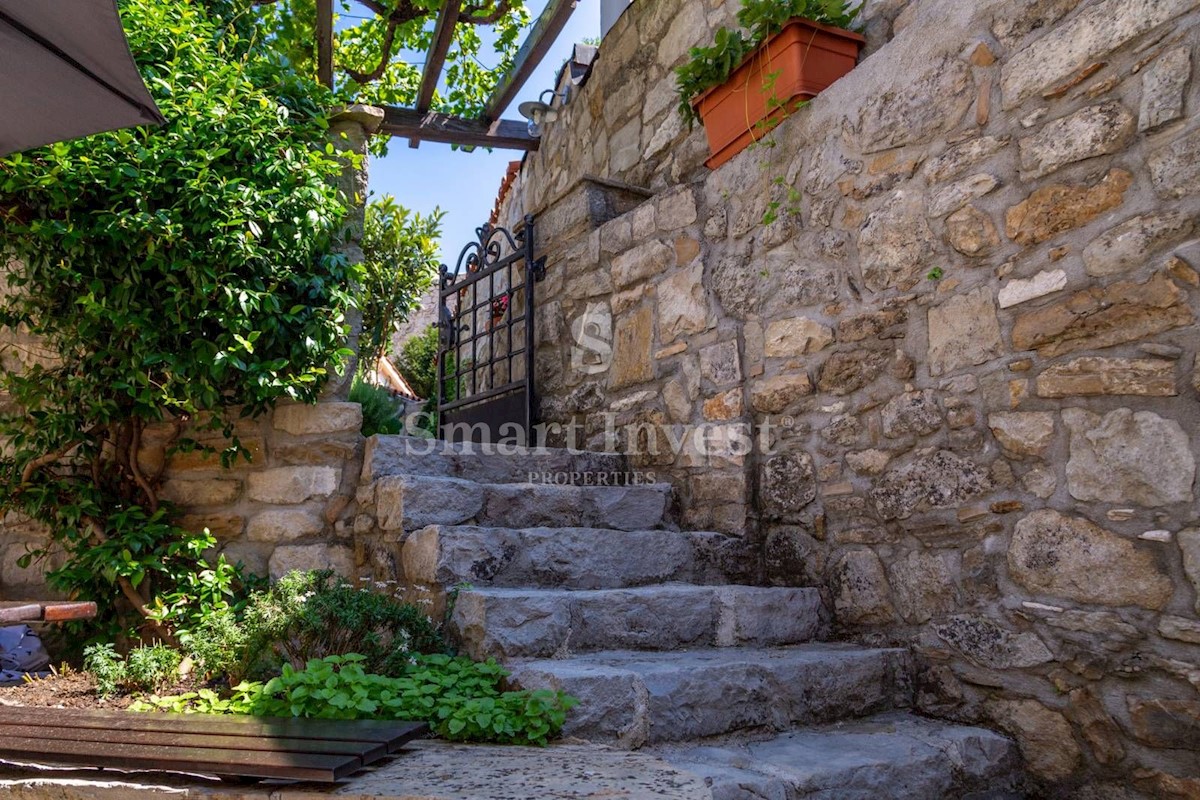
{"x":147,"y":668}
{"x":712,"y":66}
{"x":311,"y":615}
{"x":462,"y":700}
{"x":152,"y":667}
{"x":220,"y":644}
{"x":106,"y":667}
{"x":417,"y":362}
{"x":381,"y":411}
{"x":201,"y":590}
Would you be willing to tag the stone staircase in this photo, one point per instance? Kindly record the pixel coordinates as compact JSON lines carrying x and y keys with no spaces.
{"x":588,"y":589}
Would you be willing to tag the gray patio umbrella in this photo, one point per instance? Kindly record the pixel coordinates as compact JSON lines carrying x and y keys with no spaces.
{"x":66,"y":71}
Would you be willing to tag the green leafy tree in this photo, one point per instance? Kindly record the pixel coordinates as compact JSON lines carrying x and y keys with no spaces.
{"x":170,"y":273}
{"x":400,"y":261}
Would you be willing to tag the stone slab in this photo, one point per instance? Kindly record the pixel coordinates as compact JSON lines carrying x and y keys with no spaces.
{"x":886,"y":756}
{"x":428,"y":770}
{"x":633,"y":698}
{"x":572,"y":558}
{"x":542,"y":623}
{"x":1090,"y":36}
{"x":411,"y":502}
{"x":322,"y":418}
{"x":395,"y":455}
{"x":1020,"y":291}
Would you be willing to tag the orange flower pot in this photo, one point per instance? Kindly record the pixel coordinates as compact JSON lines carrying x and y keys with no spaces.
{"x":792,"y":66}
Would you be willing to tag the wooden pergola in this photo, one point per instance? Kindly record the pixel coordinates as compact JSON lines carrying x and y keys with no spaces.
{"x":420,"y":123}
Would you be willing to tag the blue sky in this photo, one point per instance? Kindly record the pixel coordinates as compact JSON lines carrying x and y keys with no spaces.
{"x":464,"y":185}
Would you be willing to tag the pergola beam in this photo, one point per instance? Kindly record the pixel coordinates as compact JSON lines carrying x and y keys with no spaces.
{"x":541,"y":38}
{"x":443,"y":36}
{"x":431,"y":127}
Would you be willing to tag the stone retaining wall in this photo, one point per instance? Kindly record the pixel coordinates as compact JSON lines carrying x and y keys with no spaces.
{"x":291,"y":507}
{"x":971,"y":328}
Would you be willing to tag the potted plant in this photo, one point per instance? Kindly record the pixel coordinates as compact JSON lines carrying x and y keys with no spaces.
{"x":748,"y":81}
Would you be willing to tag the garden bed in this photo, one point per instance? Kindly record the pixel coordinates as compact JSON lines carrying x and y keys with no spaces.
{"x":72,"y":690}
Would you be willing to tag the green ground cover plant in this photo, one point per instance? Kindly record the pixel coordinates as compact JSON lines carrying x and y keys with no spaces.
{"x":462,"y":700}
{"x":315,"y":646}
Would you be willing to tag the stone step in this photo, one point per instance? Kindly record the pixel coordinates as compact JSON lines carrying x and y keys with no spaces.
{"x":631,"y":699}
{"x":571,"y":558}
{"x":408,"y":455}
{"x":544,"y":623}
{"x":411,"y":502}
{"x":892,"y":756}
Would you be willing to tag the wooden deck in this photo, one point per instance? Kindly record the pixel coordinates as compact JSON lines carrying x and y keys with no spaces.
{"x":250,"y":747}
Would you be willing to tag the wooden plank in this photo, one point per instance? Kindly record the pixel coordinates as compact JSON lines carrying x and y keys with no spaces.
{"x":63,"y":612}
{"x":392,"y":734}
{"x":435,"y":59}
{"x":369,"y":752}
{"x":324,"y":34}
{"x":541,"y":39}
{"x":243,"y":763}
{"x":29,"y":612}
{"x":432,"y":127}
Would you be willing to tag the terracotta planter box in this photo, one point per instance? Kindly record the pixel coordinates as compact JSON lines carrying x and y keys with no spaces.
{"x":807,"y":56}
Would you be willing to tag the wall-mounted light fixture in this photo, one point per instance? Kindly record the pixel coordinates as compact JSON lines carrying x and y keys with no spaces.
{"x":539,"y":112}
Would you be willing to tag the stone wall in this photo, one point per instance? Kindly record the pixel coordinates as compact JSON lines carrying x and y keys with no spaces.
{"x":291,"y":507}
{"x":971,"y":330}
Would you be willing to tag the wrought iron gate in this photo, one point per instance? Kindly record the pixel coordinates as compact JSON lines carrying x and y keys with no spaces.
{"x":485,"y":359}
